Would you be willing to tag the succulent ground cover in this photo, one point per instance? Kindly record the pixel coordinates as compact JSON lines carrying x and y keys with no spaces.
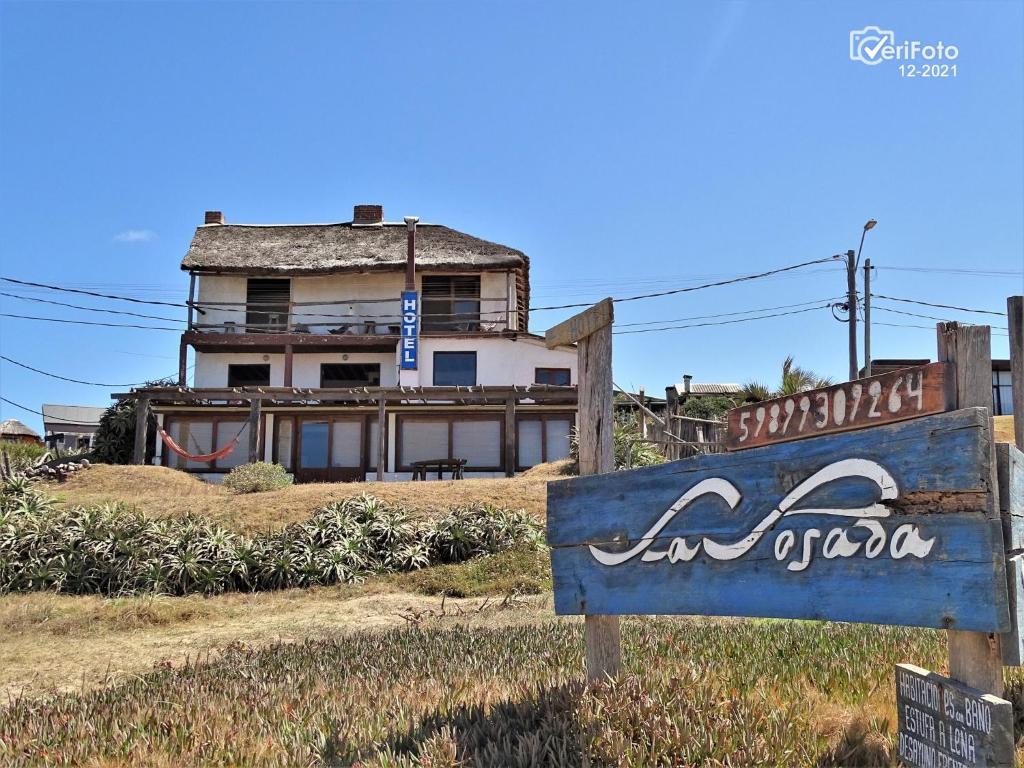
{"x":697,"y":692}
{"x":110,"y":550}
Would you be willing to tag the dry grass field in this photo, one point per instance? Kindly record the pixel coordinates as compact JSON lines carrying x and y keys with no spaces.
{"x":162,"y":492}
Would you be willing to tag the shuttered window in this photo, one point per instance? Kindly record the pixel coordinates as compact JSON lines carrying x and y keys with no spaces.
{"x":267,"y":303}
{"x":542,"y":438}
{"x":346,"y":443}
{"x":478,"y":440}
{"x":423,"y":440}
{"x":450,"y":303}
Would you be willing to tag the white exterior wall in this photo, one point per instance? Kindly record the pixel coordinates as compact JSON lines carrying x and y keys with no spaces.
{"x":212,"y":367}
{"x":499,"y":362}
{"x":494,"y":286}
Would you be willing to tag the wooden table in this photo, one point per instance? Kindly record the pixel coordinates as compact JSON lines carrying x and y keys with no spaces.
{"x":455,"y":466}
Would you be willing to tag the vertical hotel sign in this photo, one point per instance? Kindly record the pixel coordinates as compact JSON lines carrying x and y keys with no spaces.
{"x":410,"y":330}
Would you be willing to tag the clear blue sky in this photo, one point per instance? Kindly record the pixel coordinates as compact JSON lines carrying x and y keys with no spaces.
{"x":625,"y":149}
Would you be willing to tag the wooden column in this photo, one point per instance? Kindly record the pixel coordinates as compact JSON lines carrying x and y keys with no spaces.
{"x":510,"y":436}
{"x":643,"y":413}
{"x":975,"y":658}
{"x":597,"y":455}
{"x":182,"y":361}
{"x":141,"y":429}
{"x":592,"y":330}
{"x":382,"y":439}
{"x":254,"y":429}
{"x":288,"y":365}
{"x":1015,"y":316}
{"x":191,"y":298}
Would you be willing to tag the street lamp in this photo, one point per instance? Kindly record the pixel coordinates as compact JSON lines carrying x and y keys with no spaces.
{"x":867,"y":298}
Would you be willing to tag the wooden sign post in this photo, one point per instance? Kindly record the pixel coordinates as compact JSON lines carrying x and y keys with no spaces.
{"x":975,"y":658}
{"x":592,"y":331}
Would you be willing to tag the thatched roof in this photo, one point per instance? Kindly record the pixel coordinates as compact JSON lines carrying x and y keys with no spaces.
{"x":309,"y":249}
{"x":13,"y":427}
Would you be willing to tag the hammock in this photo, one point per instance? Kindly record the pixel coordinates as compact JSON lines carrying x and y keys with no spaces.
{"x":220,"y":453}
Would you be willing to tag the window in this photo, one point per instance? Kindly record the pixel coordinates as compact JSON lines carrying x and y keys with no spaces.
{"x":542,"y":438}
{"x":450,"y":303}
{"x":478,"y":440}
{"x":559,"y":377}
{"x":454,"y":369}
{"x":249,"y":375}
{"x":1002,"y":394}
{"x":344,"y":375}
{"x":198,"y":435}
{"x":266,"y":303}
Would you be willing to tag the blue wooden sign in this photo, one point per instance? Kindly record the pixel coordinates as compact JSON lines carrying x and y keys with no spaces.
{"x":890,"y":525}
{"x":409,"y":347}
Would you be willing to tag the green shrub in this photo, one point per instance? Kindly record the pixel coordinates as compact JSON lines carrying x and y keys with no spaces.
{"x":21,"y":456}
{"x":256,"y":477}
{"x":630,"y":449}
{"x":712,"y":408}
{"x":112,"y":550}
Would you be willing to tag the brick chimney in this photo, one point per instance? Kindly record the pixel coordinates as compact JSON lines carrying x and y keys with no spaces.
{"x":687,"y":379}
{"x":214,"y":217}
{"x":367,"y":215}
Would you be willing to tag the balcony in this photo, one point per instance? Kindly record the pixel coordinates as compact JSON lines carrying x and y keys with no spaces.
{"x":368,"y":324}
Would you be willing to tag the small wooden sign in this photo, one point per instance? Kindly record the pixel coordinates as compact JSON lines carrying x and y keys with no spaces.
{"x":580,"y":326}
{"x":945,"y":723}
{"x":889,"y":397}
{"x":890,"y":525}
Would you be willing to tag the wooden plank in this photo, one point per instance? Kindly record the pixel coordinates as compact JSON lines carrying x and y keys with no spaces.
{"x":510,"y":437}
{"x":1010,"y":471}
{"x":975,"y":658}
{"x":601,"y":636}
{"x":382,"y":439}
{"x":254,"y":430}
{"x":578,"y":327}
{"x":141,"y":428}
{"x":889,"y":397}
{"x":892,"y":525}
{"x":1015,"y":316}
{"x":944,"y":722}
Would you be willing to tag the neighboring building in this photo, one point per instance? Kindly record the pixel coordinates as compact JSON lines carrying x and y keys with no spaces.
{"x":308,"y":319}
{"x":71,"y":426}
{"x":13,"y":431}
{"x":688,"y":388}
{"x":1002,"y":390}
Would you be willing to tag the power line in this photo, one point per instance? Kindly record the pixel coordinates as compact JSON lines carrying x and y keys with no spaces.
{"x":816,"y":302}
{"x":91,"y":293}
{"x":939,"y":306}
{"x":90,"y":309}
{"x":939,"y":270}
{"x":674,"y":291}
{"x":65,"y":378}
{"x":927,"y":317}
{"x":49,"y":418}
{"x":924,"y":327}
{"x":723,"y":322}
{"x":89,"y":322}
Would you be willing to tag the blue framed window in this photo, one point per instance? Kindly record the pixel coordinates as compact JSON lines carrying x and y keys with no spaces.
{"x":454,"y":369}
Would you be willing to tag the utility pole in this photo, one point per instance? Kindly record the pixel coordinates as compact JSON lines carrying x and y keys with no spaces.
{"x":867,"y":317}
{"x":851,"y":301}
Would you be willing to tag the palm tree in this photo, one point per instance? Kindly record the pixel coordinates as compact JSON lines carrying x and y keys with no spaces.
{"x":794,"y":379}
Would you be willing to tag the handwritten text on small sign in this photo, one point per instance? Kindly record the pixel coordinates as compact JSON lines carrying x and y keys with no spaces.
{"x":891,"y":525}
{"x":883,"y":399}
{"x":580,"y":326}
{"x":945,"y":723}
